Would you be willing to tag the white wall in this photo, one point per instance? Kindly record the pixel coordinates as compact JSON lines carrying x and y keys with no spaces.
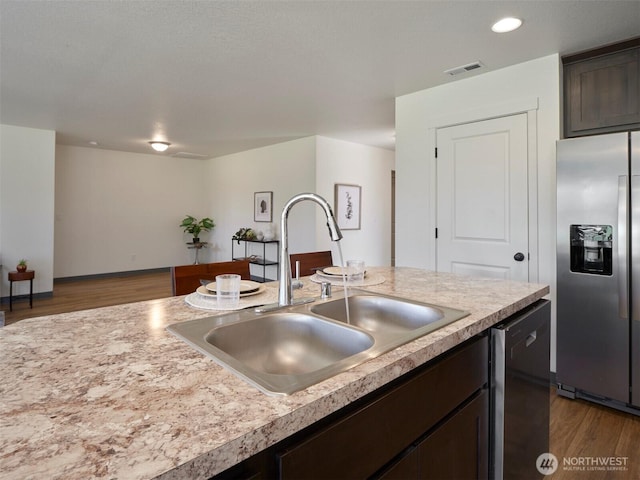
{"x":285,"y":169}
{"x":351,"y":163}
{"x":119,"y":211}
{"x":492,"y":94}
{"x":312,"y":164}
{"x":26,"y":204}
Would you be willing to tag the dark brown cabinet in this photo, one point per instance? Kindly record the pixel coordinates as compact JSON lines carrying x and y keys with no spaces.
{"x":372,"y":437}
{"x":429,"y":423}
{"x":456,"y":450}
{"x":602,"y":90}
{"x":440,"y":455}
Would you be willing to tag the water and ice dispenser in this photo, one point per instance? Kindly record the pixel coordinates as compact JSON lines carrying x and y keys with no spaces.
{"x":591,"y":249}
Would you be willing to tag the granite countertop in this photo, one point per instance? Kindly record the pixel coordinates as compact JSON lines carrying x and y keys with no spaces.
{"x":109,"y":393}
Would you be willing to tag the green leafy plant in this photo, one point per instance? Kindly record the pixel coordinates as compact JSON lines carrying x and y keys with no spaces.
{"x":22,"y":262}
{"x":244,"y":234}
{"x":194,"y":226}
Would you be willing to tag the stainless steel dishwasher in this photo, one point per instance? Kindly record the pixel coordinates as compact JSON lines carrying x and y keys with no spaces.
{"x":520,"y":393}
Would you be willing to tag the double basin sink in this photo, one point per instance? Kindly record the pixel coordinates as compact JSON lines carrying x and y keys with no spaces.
{"x":290,"y":349}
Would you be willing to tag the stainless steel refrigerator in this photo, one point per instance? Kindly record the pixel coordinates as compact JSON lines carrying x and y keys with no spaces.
{"x":598,"y":262}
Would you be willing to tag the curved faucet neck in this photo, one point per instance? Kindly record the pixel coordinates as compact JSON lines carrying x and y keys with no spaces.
{"x":285,"y":293}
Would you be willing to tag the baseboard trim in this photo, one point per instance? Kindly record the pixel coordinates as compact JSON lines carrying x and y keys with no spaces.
{"x":24,"y":296}
{"x":128,"y":273}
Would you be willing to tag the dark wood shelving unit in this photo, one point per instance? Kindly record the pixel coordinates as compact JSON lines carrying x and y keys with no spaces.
{"x":244,"y":249}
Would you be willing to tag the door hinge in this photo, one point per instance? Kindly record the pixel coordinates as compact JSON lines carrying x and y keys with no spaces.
{"x":436,"y":232}
{"x":436,"y":151}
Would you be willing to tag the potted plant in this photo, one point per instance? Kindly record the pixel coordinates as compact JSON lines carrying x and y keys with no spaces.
{"x":194,"y":226}
{"x":22,"y":265}
{"x":244,"y":234}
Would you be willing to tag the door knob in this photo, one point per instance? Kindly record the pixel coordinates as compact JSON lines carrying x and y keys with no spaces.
{"x":518,"y":257}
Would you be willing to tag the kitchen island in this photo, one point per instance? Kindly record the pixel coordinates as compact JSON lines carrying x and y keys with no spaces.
{"x":109,"y":393}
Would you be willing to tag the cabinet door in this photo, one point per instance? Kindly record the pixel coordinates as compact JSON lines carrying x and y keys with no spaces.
{"x":405,"y":469}
{"x":362,"y":442}
{"x":458,"y":449}
{"x":601,"y":94}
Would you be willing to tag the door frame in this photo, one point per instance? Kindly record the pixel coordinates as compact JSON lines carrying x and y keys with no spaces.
{"x":529,"y":106}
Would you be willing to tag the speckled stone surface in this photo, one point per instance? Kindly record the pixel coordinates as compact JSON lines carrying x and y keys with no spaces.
{"x":109,"y":393}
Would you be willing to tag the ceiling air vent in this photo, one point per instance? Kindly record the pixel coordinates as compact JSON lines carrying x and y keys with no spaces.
{"x":464,"y":68}
{"x":193,"y":156}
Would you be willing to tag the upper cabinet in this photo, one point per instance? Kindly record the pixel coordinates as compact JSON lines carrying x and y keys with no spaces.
{"x":602,"y":90}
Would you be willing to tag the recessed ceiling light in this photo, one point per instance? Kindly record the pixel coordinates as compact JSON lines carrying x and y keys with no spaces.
{"x":505,"y":25}
{"x":159,"y":146}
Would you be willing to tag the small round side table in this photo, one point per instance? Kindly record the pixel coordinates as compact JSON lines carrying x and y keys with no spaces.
{"x":197,"y":246}
{"x":19,"y":277}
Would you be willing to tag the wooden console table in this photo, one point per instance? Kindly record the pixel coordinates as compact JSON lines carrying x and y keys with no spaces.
{"x":19,"y":277}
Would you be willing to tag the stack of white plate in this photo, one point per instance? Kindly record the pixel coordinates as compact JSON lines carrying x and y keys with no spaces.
{"x":247,"y":289}
{"x":335,"y":273}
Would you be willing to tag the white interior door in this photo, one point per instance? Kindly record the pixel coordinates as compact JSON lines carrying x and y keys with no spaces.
{"x":482,"y":210}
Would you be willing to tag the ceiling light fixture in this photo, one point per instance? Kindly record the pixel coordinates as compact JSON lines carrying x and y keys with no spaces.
{"x":159,"y":146}
{"x":505,"y":25}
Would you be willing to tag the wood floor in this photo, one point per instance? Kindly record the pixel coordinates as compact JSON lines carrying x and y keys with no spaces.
{"x":73,"y":295}
{"x":579,"y":430}
{"x":582,"y":430}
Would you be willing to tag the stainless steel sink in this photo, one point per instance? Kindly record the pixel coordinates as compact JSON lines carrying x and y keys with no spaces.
{"x":288,"y":343}
{"x":279,"y":352}
{"x":375,"y":313}
{"x":291,"y":349}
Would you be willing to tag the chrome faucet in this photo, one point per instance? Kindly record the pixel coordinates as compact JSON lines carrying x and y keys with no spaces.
{"x":285,"y":294}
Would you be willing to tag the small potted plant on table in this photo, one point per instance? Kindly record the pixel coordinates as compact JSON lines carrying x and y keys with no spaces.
{"x":22,"y":265}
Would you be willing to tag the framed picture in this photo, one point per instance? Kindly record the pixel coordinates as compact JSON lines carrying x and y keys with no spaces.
{"x":262,"y":206}
{"x":347,"y":205}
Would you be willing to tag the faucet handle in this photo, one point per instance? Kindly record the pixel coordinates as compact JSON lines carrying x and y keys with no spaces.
{"x":296,"y":284}
{"x":325,"y":290}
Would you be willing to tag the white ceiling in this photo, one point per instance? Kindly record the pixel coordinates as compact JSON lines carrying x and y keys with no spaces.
{"x":217,"y":77}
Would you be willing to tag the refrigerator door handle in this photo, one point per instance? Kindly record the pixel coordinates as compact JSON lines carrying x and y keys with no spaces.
{"x":623,"y":296}
{"x":635,"y":240}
